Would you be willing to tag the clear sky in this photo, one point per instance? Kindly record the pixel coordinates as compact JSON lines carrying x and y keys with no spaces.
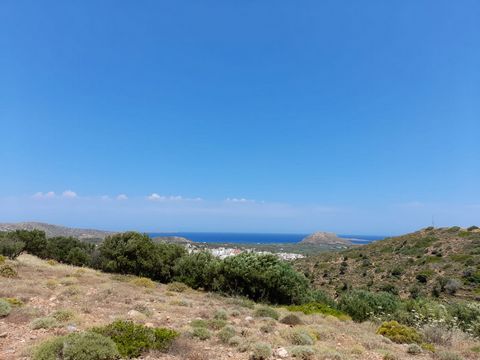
{"x":256,"y":116}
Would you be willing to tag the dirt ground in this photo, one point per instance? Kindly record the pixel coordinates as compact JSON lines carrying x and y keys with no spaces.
{"x":94,"y":298}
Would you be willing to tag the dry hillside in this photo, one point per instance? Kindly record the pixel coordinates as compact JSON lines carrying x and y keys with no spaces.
{"x":85,"y":298}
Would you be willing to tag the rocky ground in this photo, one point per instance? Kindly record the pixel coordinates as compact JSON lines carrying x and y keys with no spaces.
{"x":92,"y":298}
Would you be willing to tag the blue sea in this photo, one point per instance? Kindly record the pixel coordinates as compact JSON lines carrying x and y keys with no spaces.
{"x":258,"y":238}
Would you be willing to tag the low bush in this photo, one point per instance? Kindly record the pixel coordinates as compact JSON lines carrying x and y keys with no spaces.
{"x":143,"y":282}
{"x":414,"y":349}
{"x":199,"y":323}
{"x":177,"y":287}
{"x":226,"y":333}
{"x":318,"y":308}
{"x":298,"y":337}
{"x":77,"y":346}
{"x":133,"y":339}
{"x":261,"y":351}
{"x":14,"y":302}
{"x":216,"y":324}
{"x":291,"y":319}
{"x":447,"y":355}
{"x":5,"y":308}
{"x":303,"y":352}
{"x":220,"y":314}
{"x":361,"y":305}
{"x":63,"y":315}
{"x":266,"y":311}
{"x":398,"y":333}
{"x":46,"y":322}
{"x":8,"y":271}
{"x":235,"y":341}
{"x":437,"y":335}
{"x":201,"y":333}
{"x":2,"y":259}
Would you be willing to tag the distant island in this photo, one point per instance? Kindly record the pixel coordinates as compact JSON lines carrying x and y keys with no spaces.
{"x":324,"y":238}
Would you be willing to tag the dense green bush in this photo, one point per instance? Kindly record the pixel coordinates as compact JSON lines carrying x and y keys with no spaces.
{"x":291,"y":319}
{"x":8,"y":271}
{"x":77,"y":346}
{"x":361,"y":305}
{"x":10,"y":247}
{"x":398,"y":333}
{"x":133,"y":339}
{"x":263,"y":278}
{"x":199,"y":270}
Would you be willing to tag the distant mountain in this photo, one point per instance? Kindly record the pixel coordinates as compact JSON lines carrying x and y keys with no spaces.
{"x":440,"y":261}
{"x":56,"y":230}
{"x":324,"y":238}
{"x":172,"y":239}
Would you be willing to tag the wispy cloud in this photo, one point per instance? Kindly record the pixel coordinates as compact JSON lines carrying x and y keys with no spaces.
{"x":239,"y":200}
{"x":157,"y":197}
{"x":122,"y":197}
{"x":41,"y":195}
{"x":69,"y":194}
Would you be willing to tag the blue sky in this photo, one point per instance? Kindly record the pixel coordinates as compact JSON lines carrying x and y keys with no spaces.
{"x":264,"y":116}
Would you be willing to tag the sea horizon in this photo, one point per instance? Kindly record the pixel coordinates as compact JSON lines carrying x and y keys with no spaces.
{"x":258,"y":238}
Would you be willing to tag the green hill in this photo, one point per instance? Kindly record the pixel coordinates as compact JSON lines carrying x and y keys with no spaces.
{"x":443,"y":262}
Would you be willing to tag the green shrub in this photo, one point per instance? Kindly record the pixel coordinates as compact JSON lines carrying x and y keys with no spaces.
{"x":261,"y":351}
{"x":299,"y":337}
{"x":263,"y":277}
{"x":133,"y":339}
{"x":398,"y":333}
{"x":2,"y":259}
{"x":199,"y":323}
{"x":216,"y":324}
{"x":89,"y":346}
{"x":5,"y":308}
{"x":414,"y":349}
{"x":8,"y":271}
{"x":220,"y":314}
{"x":303,"y":352}
{"x":46,"y":322}
{"x":77,"y":346}
{"x":201,"y":333}
{"x":266,"y":311}
{"x":226,"y":333}
{"x":13,"y":301}
{"x":235,"y":341}
{"x":63,"y":315}
{"x":291,"y":319}
{"x":143,"y":282}
{"x":10,"y":247}
{"x":177,"y":287}
{"x":447,"y":355}
{"x":318,"y":308}
{"x":361,"y":305}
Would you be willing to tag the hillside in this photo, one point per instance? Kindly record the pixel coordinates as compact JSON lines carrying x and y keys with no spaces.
{"x":324,"y":238}
{"x":444,"y":262}
{"x":56,"y":230}
{"x":60,"y":299}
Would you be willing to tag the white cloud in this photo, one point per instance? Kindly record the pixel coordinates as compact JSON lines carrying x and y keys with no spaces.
{"x":41,"y":195}
{"x":239,"y":200}
{"x":122,"y":197}
{"x":69,"y":194}
{"x":157,"y":197}
{"x":105,"y":197}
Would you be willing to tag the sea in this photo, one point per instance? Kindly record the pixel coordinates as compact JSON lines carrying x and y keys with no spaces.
{"x":258,"y":238}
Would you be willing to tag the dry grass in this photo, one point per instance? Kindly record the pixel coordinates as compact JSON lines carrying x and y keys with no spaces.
{"x":91,"y":298}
